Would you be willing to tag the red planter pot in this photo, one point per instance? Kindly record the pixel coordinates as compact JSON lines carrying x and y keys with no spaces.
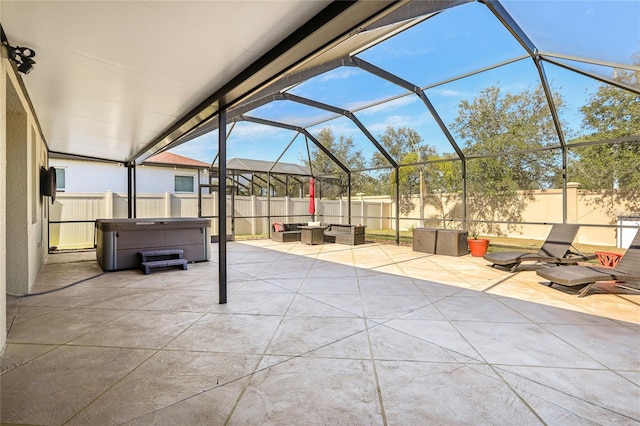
{"x":478,"y":247}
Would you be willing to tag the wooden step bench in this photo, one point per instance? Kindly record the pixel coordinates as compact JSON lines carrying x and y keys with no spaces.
{"x":162,"y":259}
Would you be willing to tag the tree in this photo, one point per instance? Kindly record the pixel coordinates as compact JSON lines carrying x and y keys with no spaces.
{"x":322,"y":165}
{"x":444,"y":189}
{"x":500,"y":185}
{"x":405,"y":146}
{"x":612,"y":170}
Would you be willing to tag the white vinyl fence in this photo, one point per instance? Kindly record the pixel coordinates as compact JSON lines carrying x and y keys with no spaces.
{"x":251,"y":215}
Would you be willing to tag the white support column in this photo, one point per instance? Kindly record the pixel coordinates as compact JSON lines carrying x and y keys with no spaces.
{"x":108,"y":204}
{"x":167,"y":204}
{"x":287,"y":206}
{"x":254,"y":210}
{"x":572,"y":202}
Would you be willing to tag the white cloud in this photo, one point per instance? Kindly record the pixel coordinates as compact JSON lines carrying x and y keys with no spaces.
{"x":389,"y":106}
{"x":403,"y":52}
{"x":341,"y":73}
{"x":311,"y":87}
{"x":339,"y":127}
{"x":203,"y":148}
{"x":447,"y":93}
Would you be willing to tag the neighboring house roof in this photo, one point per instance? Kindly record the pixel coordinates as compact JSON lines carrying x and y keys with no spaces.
{"x":169,"y":158}
{"x":247,"y":165}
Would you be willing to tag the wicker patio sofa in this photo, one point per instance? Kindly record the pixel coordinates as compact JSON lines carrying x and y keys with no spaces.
{"x":344,"y":234}
{"x":285,"y":232}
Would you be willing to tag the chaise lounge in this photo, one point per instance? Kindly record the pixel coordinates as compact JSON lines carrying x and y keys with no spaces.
{"x":627,"y":270}
{"x":556,"y":249}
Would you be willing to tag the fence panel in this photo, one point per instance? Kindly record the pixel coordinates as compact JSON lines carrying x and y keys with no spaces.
{"x":75,"y":207}
{"x":375,"y":212}
{"x":151,"y":206}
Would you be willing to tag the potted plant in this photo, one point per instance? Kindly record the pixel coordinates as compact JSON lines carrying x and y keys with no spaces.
{"x":478,"y":246}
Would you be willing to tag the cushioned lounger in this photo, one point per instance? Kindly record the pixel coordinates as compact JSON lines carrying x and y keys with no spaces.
{"x":627,"y":270}
{"x":556,"y":249}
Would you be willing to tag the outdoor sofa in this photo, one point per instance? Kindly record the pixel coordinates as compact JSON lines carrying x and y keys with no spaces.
{"x":344,"y":234}
{"x":285,"y":232}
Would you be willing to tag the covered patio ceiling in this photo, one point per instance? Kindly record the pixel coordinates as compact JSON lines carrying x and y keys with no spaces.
{"x":121,"y":80}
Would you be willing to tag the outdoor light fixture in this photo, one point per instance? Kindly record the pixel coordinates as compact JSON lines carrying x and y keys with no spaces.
{"x":22,"y":57}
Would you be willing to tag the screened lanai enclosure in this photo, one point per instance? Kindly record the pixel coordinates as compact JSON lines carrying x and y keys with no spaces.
{"x":491,"y":116}
{"x":497,"y":117}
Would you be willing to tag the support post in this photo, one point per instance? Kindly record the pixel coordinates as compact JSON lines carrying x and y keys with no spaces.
{"x":397,"y":182}
{"x":131,"y":190}
{"x":464,"y":195}
{"x":565,"y":185}
{"x":222,"y":207}
{"x":129,"y":195}
{"x":349,"y":197}
{"x":269,"y":204}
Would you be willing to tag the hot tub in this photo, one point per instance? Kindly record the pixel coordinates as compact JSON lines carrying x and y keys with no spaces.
{"x":120,"y":240}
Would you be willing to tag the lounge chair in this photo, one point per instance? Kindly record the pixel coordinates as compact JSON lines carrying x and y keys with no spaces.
{"x":627,"y":270}
{"x":556,"y":249}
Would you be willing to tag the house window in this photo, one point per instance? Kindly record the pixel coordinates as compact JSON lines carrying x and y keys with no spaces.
{"x":184,"y":184}
{"x":60,"y":179}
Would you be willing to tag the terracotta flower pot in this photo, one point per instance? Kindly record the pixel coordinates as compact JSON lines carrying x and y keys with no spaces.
{"x":478,"y":247}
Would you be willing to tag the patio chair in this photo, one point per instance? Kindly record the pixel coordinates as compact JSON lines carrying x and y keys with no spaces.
{"x":627,"y":270}
{"x":556,"y":249}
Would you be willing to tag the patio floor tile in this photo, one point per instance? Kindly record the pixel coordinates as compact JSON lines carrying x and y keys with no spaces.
{"x":323,"y":334}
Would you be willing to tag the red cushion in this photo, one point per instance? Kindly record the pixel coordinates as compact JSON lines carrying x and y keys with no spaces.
{"x":278,"y":226}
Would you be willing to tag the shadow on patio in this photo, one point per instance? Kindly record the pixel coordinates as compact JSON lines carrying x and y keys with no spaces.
{"x":326,"y":334}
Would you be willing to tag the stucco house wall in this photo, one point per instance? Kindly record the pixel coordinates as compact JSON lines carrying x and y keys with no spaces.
{"x":23,"y":210}
{"x":157,"y":179}
{"x":91,"y":176}
{"x":98,"y":177}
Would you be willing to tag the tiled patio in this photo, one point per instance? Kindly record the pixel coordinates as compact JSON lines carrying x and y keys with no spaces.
{"x":326,"y":334}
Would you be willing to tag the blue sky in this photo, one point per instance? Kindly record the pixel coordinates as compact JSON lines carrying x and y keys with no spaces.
{"x":457,"y":41}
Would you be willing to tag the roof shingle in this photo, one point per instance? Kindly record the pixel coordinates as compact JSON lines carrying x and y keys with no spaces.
{"x":176,"y":160}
